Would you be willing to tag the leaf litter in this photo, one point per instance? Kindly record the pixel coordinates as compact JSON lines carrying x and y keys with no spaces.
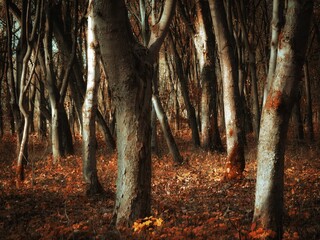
{"x":191,"y":201}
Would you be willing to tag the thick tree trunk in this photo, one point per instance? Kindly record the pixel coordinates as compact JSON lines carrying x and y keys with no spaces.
{"x":130,"y":85}
{"x":129,"y":67}
{"x":268,"y":210}
{"x":89,"y":109}
{"x":231,"y":98}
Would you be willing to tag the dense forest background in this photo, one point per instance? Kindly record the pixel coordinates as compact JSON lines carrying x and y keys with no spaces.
{"x":171,"y":119}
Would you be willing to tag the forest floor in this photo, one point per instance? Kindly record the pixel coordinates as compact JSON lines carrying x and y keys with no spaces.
{"x":191,"y":201}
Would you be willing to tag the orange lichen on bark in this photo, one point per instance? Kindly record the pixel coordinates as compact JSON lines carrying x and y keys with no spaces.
{"x":273,"y":100}
{"x":231,"y":132}
{"x":235,"y":164}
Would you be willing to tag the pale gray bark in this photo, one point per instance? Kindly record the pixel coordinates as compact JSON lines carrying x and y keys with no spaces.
{"x":24,"y":85}
{"x":231,"y":97}
{"x":268,"y":209}
{"x":205,"y":47}
{"x":89,"y":108}
{"x":276,"y":23}
{"x":50,"y":84}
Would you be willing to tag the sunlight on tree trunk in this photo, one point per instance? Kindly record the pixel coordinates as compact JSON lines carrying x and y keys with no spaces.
{"x":268,"y":209}
{"x":89,"y":111}
{"x":231,"y":97}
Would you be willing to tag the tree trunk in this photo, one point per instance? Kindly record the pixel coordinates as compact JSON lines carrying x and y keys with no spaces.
{"x":129,"y":67}
{"x":50,"y":83}
{"x":166,"y":130}
{"x":309,"y":117}
{"x":296,"y":115}
{"x":89,"y":109}
{"x":204,"y":43}
{"x":231,"y":98}
{"x":42,"y":123}
{"x":76,"y":83}
{"x":131,"y":91}
{"x":191,"y":113}
{"x":268,"y":210}
{"x":252,"y":68}
{"x":276,"y":24}
{"x":61,"y":138}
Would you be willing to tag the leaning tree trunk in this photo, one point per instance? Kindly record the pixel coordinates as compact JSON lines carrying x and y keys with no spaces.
{"x":268,"y":209}
{"x":166,"y":130}
{"x":191,"y":113}
{"x":89,"y":109}
{"x":231,"y":97}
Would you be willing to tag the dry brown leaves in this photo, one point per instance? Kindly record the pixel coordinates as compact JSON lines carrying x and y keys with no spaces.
{"x":192,"y":200}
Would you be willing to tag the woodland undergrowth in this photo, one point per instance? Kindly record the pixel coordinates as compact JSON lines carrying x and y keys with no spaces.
{"x":191,"y":201}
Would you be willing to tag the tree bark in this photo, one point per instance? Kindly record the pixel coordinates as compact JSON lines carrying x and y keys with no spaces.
{"x":309,"y":117}
{"x":231,"y":97}
{"x":191,"y":113}
{"x":166,"y":130}
{"x":252,"y":68}
{"x":276,"y":25}
{"x":205,"y":46}
{"x":268,"y":209}
{"x":89,"y":109}
{"x":129,"y":67}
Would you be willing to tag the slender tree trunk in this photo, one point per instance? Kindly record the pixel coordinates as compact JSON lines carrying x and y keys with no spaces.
{"x":231,"y":97}
{"x":166,"y":130}
{"x":10,"y":76}
{"x":192,"y":120}
{"x":50,"y":82}
{"x":89,"y":111}
{"x":32,"y":94}
{"x":25,"y":82}
{"x":268,"y":209}
{"x":276,"y":24}
{"x":77,"y":85}
{"x":42,"y":122}
{"x":253,"y":74}
{"x":2,"y":78}
{"x":204,"y":43}
{"x":309,"y":116}
{"x":296,"y":114}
